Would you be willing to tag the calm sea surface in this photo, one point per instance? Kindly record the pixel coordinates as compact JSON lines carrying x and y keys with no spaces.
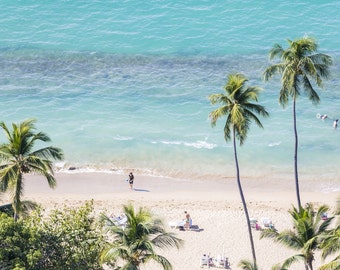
{"x":123,"y":84}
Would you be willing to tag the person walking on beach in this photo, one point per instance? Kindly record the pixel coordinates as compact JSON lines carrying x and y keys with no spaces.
{"x":131,"y":178}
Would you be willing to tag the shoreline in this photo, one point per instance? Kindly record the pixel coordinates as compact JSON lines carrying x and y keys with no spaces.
{"x":88,"y":183}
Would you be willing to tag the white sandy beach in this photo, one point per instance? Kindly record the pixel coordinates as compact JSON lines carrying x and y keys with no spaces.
{"x":214,"y":205}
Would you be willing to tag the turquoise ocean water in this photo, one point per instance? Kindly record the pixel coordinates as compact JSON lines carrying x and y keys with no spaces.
{"x":122,"y":85}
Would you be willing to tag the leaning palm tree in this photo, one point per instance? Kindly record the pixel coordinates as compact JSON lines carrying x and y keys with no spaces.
{"x":299,"y":66}
{"x":305,"y":236}
{"x":18,"y":157}
{"x":134,"y":244}
{"x":238,"y":107}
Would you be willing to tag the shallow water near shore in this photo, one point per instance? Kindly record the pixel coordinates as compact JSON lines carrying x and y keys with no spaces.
{"x":119,"y":90}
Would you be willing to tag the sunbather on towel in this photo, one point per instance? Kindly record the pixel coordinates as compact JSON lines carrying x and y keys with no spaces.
{"x":187,"y":220}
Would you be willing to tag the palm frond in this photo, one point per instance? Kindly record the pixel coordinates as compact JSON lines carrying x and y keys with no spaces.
{"x":309,"y":90}
{"x":330,"y":242}
{"x":247,"y":265}
{"x":273,"y":70}
{"x":161,"y":260}
{"x":278,"y":267}
{"x":135,"y":243}
{"x":269,"y":233}
{"x":293,"y":259}
{"x":333,"y":265}
{"x":167,"y":240}
{"x":50,"y":152}
{"x":7,"y":174}
{"x":276,"y":51}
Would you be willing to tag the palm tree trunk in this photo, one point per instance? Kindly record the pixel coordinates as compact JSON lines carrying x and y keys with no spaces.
{"x":296,"y":156}
{"x":306,"y":266}
{"x":16,"y":198}
{"x":309,"y":263}
{"x":242,"y":198}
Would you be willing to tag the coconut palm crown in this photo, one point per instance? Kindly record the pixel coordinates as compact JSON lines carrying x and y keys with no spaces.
{"x":135,"y":244}
{"x":18,"y":157}
{"x":305,"y":237}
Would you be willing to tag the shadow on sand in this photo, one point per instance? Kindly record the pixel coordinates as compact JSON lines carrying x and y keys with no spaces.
{"x":141,"y":190}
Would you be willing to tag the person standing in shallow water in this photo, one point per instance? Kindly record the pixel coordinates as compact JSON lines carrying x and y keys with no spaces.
{"x":335,"y":123}
{"x":131,"y":179}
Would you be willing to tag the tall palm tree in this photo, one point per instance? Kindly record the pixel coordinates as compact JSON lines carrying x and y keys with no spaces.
{"x":18,"y":157}
{"x":305,"y":236}
{"x":135,"y":243}
{"x":237,"y":107}
{"x":299,"y":66}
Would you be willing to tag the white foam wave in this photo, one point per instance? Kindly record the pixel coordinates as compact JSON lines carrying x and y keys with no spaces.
{"x":274,"y":144}
{"x":197,"y":144}
{"x":95,"y":168}
{"x":122,"y":138}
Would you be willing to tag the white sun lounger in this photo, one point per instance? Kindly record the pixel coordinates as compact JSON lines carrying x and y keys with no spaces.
{"x":178,"y":224}
{"x":119,"y":221}
{"x":267,"y":223}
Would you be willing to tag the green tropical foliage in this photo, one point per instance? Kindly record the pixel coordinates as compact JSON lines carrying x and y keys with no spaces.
{"x":15,"y":244}
{"x":238,"y":108}
{"x":133,"y":245}
{"x":67,"y":239}
{"x":308,"y":228}
{"x":300,"y":66}
{"x":330,"y":244}
{"x":72,"y":238}
{"x":247,"y":265}
{"x":18,"y":157}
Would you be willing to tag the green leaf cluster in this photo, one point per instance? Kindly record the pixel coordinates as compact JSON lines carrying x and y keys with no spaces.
{"x":134,"y":245}
{"x":310,"y":232}
{"x":16,"y":241}
{"x":67,"y":239}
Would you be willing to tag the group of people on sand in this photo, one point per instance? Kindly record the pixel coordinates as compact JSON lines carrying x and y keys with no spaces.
{"x":324,"y":116}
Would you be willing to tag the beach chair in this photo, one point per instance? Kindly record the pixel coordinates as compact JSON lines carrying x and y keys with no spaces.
{"x":180,"y":224}
{"x":177,"y":224}
{"x":173,"y":224}
{"x":221,"y":262}
{"x":253,"y":222}
{"x":119,"y":221}
{"x":267,"y":223}
{"x":206,"y":260}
